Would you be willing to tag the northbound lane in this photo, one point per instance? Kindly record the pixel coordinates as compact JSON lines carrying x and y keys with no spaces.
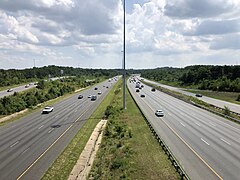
{"x":36,"y":140}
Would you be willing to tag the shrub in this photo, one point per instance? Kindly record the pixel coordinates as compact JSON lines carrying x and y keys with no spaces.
{"x":238,"y":98}
{"x":226,"y":111}
{"x":110,"y":111}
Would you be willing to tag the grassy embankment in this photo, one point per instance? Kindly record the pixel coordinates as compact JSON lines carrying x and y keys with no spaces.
{"x":128,"y":149}
{"x":225,"y":96}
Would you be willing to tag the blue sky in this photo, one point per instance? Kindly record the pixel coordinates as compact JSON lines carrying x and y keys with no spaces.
{"x":88,"y":34}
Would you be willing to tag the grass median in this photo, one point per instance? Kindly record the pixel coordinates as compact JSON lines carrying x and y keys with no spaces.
{"x":128,"y":149}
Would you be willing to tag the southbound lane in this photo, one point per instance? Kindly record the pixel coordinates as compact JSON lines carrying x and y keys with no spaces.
{"x":216,"y":102}
{"x":206,"y":145}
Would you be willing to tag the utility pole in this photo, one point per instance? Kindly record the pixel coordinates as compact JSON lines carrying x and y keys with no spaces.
{"x":124,"y":67}
{"x":34,"y":66}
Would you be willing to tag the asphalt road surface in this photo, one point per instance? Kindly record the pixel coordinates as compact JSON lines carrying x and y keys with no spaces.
{"x":29,"y":145}
{"x":219,"y":103}
{"x":16,"y":89}
{"x":206,"y":145}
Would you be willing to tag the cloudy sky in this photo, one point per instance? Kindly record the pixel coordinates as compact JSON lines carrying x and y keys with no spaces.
{"x":88,"y":33}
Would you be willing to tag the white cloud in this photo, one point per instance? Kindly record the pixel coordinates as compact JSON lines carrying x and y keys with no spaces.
{"x":85,"y":33}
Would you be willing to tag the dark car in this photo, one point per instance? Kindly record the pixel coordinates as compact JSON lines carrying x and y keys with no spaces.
{"x":198,"y":95}
{"x":137,"y":90}
{"x":153,"y":89}
{"x":95,"y":88}
{"x":142,"y":95}
{"x":80,"y":96}
{"x":93,"y":98}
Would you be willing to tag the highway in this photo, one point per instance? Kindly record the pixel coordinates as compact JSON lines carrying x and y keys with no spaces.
{"x":216,"y":102}
{"x":206,"y":145}
{"x":16,"y":89}
{"x":29,"y":145}
{"x":29,"y":86}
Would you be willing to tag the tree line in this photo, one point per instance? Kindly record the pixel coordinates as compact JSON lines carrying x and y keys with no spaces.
{"x":15,"y":76}
{"x":205,"y":77}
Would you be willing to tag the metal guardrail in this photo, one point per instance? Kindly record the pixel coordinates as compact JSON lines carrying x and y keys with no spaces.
{"x":215,"y":112}
{"x":164,"y":146}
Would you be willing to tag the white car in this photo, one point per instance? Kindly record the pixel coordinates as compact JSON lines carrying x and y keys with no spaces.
{"x":89,"y":96}
{"x":159,"y":113}
{"x":47,"y":110}
{"x":9,"y":90}
{"x":99,"y":92}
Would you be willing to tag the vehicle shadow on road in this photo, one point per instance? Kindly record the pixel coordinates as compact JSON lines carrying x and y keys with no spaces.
{"x":75,"y":122}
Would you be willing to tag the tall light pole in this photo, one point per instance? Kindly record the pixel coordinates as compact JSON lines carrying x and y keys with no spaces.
{"x":124,"y":67}
{"x":34,"y":66}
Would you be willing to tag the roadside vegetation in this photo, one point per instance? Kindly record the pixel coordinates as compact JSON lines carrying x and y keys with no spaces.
{"x":13,"y":77}
{"x":203,"y":77}
{"x":232,"y":97}
{"x":45,"y":91}
{"x":128,"y":149}
{"x":71,"y":79}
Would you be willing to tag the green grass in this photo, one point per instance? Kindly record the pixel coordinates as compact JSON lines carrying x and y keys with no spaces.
{"x":128,"y":149}
{"x":225,"y":96}
{"x":64,"y":164}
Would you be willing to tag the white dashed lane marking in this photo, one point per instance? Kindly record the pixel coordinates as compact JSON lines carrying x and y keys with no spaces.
{"x":198,"y":124}
{"x":182,"y":124}
{"x":50,"y":130}
{"x":205,"y":141}
{"x":14,"y":144}
{"x":225,"y":141}
{"x":40,"y":127}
